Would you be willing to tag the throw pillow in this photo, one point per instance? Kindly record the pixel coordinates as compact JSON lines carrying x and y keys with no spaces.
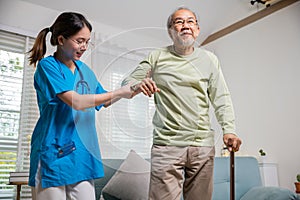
{"x":270,"y":193}
{"x":131,"y":180}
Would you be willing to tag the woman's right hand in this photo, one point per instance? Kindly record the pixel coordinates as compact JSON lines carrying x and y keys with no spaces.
{"x":127,"y":92}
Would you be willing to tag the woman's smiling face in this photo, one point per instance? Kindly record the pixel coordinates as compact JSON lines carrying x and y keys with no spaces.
{"x":76,"y":45}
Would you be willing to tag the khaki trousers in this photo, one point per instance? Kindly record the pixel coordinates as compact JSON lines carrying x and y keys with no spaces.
{"x":181,"y":169}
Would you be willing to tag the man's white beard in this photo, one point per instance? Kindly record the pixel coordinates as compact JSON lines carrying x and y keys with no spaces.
{"x":184,"y":42}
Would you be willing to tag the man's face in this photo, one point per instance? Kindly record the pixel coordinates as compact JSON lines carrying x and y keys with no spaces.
{"x":185,"y":29}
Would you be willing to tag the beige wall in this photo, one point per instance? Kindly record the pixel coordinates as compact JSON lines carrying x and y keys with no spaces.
{"x":262,"y":67}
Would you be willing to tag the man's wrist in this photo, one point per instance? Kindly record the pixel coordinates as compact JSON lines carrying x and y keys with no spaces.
{"x":134,"y":87}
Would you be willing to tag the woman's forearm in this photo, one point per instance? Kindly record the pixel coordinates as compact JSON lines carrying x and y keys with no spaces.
{"x":81,"y":102}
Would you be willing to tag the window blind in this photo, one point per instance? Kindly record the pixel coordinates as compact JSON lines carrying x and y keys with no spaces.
{"x":16,"y":89}
{"x":127,"y":124}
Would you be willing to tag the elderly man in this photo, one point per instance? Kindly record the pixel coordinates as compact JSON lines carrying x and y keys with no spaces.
{"x":184,"y":80}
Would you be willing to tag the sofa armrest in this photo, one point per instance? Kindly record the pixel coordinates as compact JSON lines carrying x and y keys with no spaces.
{"x":274,"y":193}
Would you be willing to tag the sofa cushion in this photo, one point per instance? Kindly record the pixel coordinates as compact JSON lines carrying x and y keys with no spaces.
{"x":270,"y":193}
{"x":131,"y":181}
{"x":110,"y":167}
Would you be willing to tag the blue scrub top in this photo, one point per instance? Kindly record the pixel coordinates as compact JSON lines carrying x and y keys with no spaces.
{"x":64,"y":140}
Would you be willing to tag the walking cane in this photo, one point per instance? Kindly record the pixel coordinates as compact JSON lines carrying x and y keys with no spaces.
{"x":232,"y":184}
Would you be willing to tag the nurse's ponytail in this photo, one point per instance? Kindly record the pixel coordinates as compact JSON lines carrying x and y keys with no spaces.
{"x":39,"y":48}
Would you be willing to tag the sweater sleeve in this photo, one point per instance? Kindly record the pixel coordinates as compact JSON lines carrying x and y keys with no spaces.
{"x":141,"y":71}
{"x":221,"y":99}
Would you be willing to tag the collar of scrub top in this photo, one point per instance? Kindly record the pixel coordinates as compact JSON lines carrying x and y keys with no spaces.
{"x":82,"y":86}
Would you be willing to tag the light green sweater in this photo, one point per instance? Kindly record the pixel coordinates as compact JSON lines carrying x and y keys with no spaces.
{"x":188,"y":84}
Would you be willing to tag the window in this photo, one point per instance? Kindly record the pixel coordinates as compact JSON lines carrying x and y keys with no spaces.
{"x":127,"y":124}
{"x":17,"y":98}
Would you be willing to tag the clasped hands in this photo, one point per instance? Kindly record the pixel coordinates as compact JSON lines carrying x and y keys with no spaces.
{"x":147,"y":86}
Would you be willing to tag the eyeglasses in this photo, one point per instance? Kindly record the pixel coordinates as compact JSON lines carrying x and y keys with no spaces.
{"x":190,"y":21}
{"x":82,"y":43}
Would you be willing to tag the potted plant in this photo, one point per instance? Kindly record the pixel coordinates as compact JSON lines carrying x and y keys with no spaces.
{"x":297,"y":183}
{"x":262,"y":153}
{"x":262,"y":156}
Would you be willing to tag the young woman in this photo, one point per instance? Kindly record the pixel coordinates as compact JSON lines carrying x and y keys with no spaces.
{"x":65,"y":155}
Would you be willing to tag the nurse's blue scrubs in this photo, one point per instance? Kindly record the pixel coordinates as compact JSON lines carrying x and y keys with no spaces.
{"x":64,"y":140}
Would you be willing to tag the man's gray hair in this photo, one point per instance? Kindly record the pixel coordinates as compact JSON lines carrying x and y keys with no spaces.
{"x":170,"y":19}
